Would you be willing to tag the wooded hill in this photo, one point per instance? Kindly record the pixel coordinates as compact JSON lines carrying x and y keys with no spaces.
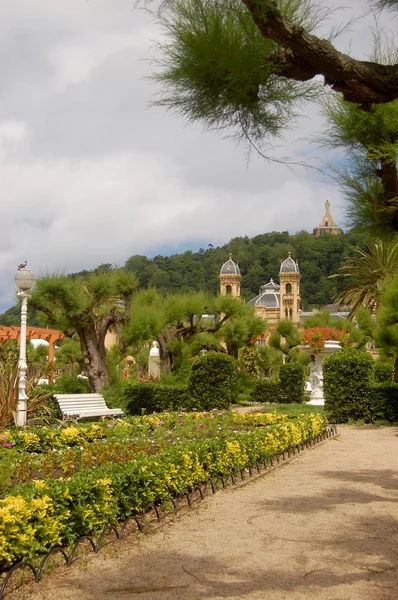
{"x":259,"y":259}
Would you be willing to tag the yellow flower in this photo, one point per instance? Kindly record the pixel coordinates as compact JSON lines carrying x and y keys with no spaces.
{"x":39,"y":483}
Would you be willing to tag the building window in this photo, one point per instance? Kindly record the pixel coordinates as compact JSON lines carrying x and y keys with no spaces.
{"x":228,"y":290}
{"x":288,"y":288}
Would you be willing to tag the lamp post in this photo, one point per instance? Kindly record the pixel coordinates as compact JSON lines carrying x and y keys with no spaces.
{"x":24,"y":279}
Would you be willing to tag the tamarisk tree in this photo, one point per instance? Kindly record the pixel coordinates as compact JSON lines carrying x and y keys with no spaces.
{"x":89,"y":307}
{"x":186,"y":323}
{"x":247,"y":66}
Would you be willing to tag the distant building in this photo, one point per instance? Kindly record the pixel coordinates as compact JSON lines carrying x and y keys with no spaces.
{"x":274,"y":301}
{"x":327,"y":226}
{"x":230,"y":279}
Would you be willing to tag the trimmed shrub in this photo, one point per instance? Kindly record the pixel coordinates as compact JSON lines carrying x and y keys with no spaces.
{"x":347,"y":377}
{"x":384,"y":402}
{"x":382,"y":372}
{"x":147,"y":398}
{"x":292,"y":379}
{"x":212,"y":381}
{"x":266,"y":391}
{"x":67,"y":384}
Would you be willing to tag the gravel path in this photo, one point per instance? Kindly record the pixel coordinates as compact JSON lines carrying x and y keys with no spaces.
{"x":323,"y":526}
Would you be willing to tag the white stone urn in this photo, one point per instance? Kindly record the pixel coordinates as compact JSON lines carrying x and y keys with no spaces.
{"x":316,"y":374}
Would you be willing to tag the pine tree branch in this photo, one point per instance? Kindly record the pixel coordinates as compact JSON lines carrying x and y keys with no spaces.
{"x":305,"y":56}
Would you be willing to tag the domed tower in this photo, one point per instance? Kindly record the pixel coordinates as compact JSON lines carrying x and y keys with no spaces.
{"x":289,"y":277}
{"x":267,"y":304}
{"x":230,"y":279}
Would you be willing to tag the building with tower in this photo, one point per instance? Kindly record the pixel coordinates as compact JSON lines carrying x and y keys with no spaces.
{"x":230,"y":279}
{"x":327,"y":226}
{"x":274,"y":301}
{"x":289,"y":277}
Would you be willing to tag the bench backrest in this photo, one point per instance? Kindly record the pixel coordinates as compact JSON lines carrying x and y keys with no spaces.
{"x":78,"y":402}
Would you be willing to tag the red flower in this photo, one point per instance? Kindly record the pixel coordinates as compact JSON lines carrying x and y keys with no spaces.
{"x":317,"y":336}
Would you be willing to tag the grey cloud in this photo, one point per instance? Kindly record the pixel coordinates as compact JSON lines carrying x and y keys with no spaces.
{"x":91,"y":174}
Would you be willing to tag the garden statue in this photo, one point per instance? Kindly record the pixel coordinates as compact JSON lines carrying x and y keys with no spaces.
{"x":320,"y":342}
{"x":154,"y":361}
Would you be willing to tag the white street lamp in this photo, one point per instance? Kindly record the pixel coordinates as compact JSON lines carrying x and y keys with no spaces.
{"x":24,"y":279}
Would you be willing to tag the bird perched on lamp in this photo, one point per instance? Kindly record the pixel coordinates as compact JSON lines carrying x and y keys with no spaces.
{"x":22,"y":265}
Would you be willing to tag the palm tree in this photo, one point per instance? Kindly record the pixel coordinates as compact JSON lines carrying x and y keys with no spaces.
{"x":368,"y":272}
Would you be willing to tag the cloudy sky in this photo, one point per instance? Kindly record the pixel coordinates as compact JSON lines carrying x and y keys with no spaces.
{"x":90,"y":174}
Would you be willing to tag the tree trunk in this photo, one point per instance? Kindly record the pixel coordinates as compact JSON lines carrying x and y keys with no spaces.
{"x":389,"y":177}
{"x":94,"y":356}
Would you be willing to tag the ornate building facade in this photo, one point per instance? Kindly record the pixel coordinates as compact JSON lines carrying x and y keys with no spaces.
{"x":230,"y":279}
{"x":274,"y":301}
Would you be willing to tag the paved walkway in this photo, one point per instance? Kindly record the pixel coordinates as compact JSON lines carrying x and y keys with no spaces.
{"x":323,"y":526}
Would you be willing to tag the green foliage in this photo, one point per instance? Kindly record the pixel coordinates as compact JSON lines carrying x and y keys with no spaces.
{"x":364,"y":333}
{"x":146,"y":398}
{"x":212,"y":381}
{"x":241,"y":329}
{"x":292,"y":379}
{"x":67,"y":384}
{"x":370,"y":140}
{"x":286,"y":338}
{"x":69,"y":356}
{"x":382,"y":372}
{"x":87,"y":306}
{"x":347,"y":376}
{"x":367,"y":273}
{"x":41,"y":514}
{"x":384,"y":402}
{"x":268,"y":362}
{"x":266,"y":391}
{"x":9,"y":353}
{"x":186,"y":323}
{"x":12,"y":316}
{"x":386,"y":335}
{"x":216,"y":67}
{"x":357,"y":388}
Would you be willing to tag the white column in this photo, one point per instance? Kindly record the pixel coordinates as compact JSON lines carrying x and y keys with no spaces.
{"x":22,"y":366}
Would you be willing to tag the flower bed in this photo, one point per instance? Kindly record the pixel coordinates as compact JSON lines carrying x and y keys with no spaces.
{"x":43,"y":453}
{"x":44,"y":513}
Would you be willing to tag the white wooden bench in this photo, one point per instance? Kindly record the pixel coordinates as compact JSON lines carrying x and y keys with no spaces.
{"x":80,"y":406}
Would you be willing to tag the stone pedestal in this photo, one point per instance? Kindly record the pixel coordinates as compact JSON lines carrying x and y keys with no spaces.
{"x":316,"y":375}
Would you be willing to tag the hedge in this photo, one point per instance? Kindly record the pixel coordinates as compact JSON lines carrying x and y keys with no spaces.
{"x":383,"y":403}
{"x":292,"y":379}
{"x":266,"y":391}
{"x":346,"y":383}
{"x":382,"y":372}
{"x":45,"y":513}
{"x":351,"y":392}
{"x":212,"y":381}
{"x":147,"y":398}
